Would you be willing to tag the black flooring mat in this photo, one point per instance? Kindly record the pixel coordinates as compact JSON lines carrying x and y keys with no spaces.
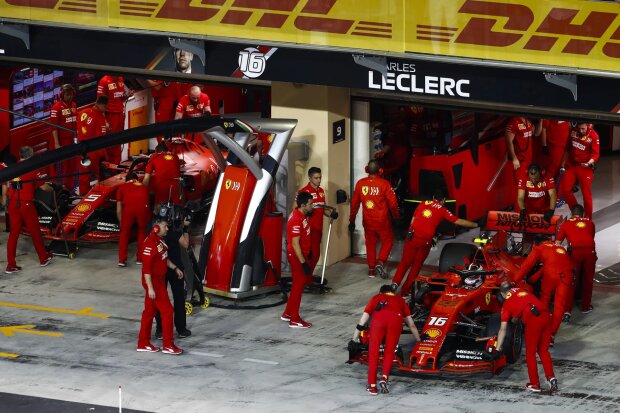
{"x":16,"y":403}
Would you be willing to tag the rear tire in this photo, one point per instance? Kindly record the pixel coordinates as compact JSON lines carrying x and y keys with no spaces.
{"x":455,"y":253}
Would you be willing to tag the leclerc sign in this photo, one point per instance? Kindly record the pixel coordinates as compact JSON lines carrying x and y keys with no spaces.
{"x":568,"y":33}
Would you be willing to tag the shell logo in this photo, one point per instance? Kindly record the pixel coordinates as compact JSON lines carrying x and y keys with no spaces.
{"x":560,"y":250}
{"x":427,"y":213}
{"x":581,"y":225}
{"x":82,"y":207}
{"x":168,"y":157}
{"x":370,"y":204}
{"x":521,"y":294}
{"x":433,"y":332}
{"x":364,"y":190}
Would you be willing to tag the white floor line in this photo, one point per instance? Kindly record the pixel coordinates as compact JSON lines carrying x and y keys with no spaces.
{"x":262,"y":361}
{"x":198,"y":353}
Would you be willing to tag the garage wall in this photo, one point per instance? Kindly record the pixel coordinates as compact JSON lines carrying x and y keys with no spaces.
{"x":316,"y":108}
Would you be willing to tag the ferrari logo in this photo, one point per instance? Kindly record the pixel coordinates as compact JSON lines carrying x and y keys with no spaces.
{"x":159,"y":248}
{"x":433,"y":332}
{"x":304,"y":223}
{"x":560,"y":250}
{"x":364,"y":190}
{"x":428,"y":202}
{"x":487,"y":298}
{"x":168,"y":157}
{"x":581,"y":225}
{"x":83,"y":117}
{"x":370,"y":204}
{"x":228,"y":183}
{"x":427,"y":213}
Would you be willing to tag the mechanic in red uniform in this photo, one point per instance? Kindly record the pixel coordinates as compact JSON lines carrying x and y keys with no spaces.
{"x":427,"y":217}
{"x":519,"y":134}
{"x":319,"y":210}
{"x":583,"y":152}
{"x":554,"y":138}
{"x":536,"y":194}
{"x":22,"y":212}
{"x":579,"y":232}
{"x":114,"y":88}
{"x":378,"y":201}
{"x":193,"y":105}
{"x":388,"y":312}
{"x":156,"y":263}
{"x":558,"y":278}
{"x":64,"y":114}
{"x":298,"y":248}
{"x":92,"y":123}
{"x":166,"y":166}
{"x":525,"y":306}
{"x":132,"y":206}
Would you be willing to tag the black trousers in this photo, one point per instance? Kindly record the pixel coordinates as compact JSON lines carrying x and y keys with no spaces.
{"x":177,"y":287}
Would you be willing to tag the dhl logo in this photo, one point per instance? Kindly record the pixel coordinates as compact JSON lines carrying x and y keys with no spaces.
{"x":306,"y":15}
{"x":501,"y":24}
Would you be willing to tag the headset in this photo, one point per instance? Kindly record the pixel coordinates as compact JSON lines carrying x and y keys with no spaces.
{"x":64,"y":88}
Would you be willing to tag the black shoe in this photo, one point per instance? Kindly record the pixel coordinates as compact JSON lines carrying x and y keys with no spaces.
{"x":566,"y":317}
{"x":383,"y":385}
{"x":158,"y":334}
{"x":184,"y":333}
{"x":553,"y":384}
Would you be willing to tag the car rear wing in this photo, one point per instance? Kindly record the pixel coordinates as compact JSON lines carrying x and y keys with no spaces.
{"x":512,"y":222}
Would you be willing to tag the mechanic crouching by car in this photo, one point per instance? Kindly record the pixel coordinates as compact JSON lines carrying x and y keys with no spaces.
{"x":166,"y":166}
{"x":558,"y":278}
{"x":525,"y":306}
{"x":132,"y":206}
{"x":388,"y":311}
{"x":155,"y":265}
{"x":177,"y":239}
{"x":427,"y":217}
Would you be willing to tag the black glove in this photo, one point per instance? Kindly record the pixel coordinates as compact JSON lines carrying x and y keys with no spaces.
{"x":307,"y":268}
{"x":334,"y":214}
{"x":434,"y":241}
{"x":409,"y":235}
{"x":424,"y":336}
{"x":351,"y":226}
{"x":548,"y":215}
{"x":309,"y":256}
{"x":522,"y":214}
{"x":545,"y":150}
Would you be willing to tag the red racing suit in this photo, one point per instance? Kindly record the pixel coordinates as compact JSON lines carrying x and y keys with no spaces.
{"x":296,"y":226}
{"x":580,"y":150}
{"x":134,"y":198}
{"x":154,"y":262}
{"x":388,"y":312}
{"x":378,"y":202}
{"x":519,"y":304}
{"x":92,"y":123}
{"x":316,"y":221}
{"x":522,"y":143}
{"x":65,"y":115}
{"x":557,"y":132}
{"x":580,"y":235}
{"x":167,"y":169}
{"x":114,"y":88}
{"x":427,"y":217}
{"x":537,"y":194}
{"x":22,"y":212}
{"x":558,"y":278}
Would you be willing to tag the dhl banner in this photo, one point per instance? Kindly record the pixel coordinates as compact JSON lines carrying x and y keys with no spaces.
{"x":569,"y":33}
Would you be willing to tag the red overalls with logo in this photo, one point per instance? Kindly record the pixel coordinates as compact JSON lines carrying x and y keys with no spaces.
{"x":134,"y":198}
{"x":537,"y":330}
{"x":114,"y":88}
{"x":537,"y":194}
{"x":557,"y":137}
{"x":154,"y":262}
{"x":92,"y":123}
{"x":190,"y":110}
{"x":388,"y":312}
{"x":316,"y":221}
{"x":22,"y":212}
{"x":167,"y":168}
{"x":558,"y":278}
{"x":378,"y":201}
{"x":580,"y":235}
{"x":297,"y":226}
{"x":65,"y":115}
{"x":580,"y":150}
{"x":522,"y":143}
{"x":428,"y":215}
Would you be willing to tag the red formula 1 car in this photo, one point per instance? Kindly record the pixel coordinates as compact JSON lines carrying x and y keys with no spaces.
{"x":459,"y":306}
{"x":92,"y":219}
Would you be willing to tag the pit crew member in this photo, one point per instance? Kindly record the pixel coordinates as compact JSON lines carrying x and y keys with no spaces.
{"x":193,"y":105}
{"x":554,"y":138}
{"x":519,"y":134}
{"x":155,"y":264}
{"x":579,"y":232}
{"x":298,"y":248}
{"x":388,"y":312}
{"x":536,"y":194}
{"x":114,"y":88}
{"x":64,"y":113}
{"x":583,"y":152}
{"x":427,"y":217}
{"x":525,"y":306}
{"x":379,"y":205}
{"x":92,"y":123}
{"x":19,"y":193}
{"x":166,"y":166}
{"x":132,"y":206}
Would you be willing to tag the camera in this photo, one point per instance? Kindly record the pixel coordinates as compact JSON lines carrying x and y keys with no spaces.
{"x":175,"y":215}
